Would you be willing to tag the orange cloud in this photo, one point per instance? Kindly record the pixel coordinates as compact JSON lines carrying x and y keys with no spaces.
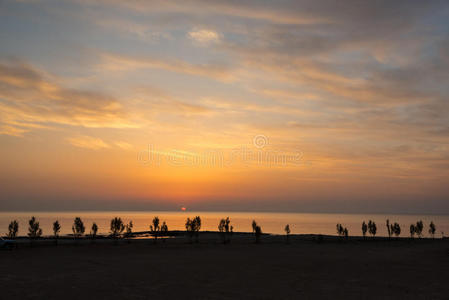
{"x":28,"y":99}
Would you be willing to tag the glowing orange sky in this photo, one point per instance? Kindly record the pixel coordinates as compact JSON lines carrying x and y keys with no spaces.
{"x":356,"y":101}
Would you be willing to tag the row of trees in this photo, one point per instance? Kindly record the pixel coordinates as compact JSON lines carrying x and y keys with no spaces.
{"x":193,"y":226}
{"x":120,"y":229}
{"x":342,"y":231}
{"x":78,"y":228}
{"x":117,"y":228}
{"x":395,"y":229}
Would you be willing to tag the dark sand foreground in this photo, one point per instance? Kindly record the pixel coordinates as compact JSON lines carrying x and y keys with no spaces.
{"x":304,"y":269}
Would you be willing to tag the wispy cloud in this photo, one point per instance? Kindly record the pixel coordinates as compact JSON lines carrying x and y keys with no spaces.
{"x":126,"y":27}
{"x":204,"y":36}
{"x":88,"y":142}
{"x":124,"y":145}
{"x":246,"y":10}
{"x":30,"y":99}
{"x":116,"y":62}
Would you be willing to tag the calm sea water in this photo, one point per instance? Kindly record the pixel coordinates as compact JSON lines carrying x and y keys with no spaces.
{"x":300,"y":223}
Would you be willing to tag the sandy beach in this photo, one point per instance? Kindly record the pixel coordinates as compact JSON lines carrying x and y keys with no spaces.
{"x":175,"y":269}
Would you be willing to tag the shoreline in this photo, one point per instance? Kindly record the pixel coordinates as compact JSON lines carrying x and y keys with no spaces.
{"x":215,"y":237}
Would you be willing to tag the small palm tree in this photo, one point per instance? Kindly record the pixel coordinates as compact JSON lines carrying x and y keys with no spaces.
{"x":78,"y":227}
{"x":372,"y":228}
{"x":432,"y":229}
{"x":155,"y":228}
{"x":117,"y":227}
{"x":164,"y":227}
{"x":34,"y":230}
{"x":164,"y":230}
{"x":257,"y":233}
{"x":412,"y":230}
{"x":129,"y":230}
{"x":388,"y":228}
{"x":189,"y":228}
{"x":287,"y":232}
{"x":193,"y":227}
{"x":197,"y":226}
{"x":396,"y":229}
{"x":254,"y":224}
{"x":364,"y":229}
{"x":342,"y":231}
{"x":13,"y":229}
{"x":56,"y":230}
{"x":225,"y":229}
{"x":221,"y":228}
{"x":94,"y":230}
{"x":419,"y":228}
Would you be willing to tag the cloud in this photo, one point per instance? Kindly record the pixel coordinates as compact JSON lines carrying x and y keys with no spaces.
{"x":30,"y":99}
{"x":123,"y":145}
{"x":155,"y":101}
{"x":94,"y":143}
{"x":12,"y":131}
{"x":204,"y":37}
{"x":88,"y":142}
{"x":116,"y":62}
{"x":141,"y":31}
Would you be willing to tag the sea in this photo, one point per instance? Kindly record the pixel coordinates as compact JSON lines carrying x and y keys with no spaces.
{"x":274,"y":223}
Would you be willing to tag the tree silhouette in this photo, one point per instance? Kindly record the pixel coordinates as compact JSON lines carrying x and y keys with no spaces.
{"x":197,"y":226}
{"x":254,"y":224}
{"x":189,"y":228}
{"x":221,"y":226}
{"x":164,"y":230}
{"x":78,"y":227}
{"x":257,"y":233}
{"x":56,"y":230}
{"x":419,"y":228}
{"x":225,"y":229}
{"x":432,"y":229}
{"x":117,"y":227}
{"x":388,"y":228}
{"x":412,"y":230}
{"x":287,"y":232}
{"x":193,"y":227}
{"x":129,"y":230}
{"x":164,"y":227}
{"x":13,"y":229}
{"x":372,"y":228}
{"x":94,"y":230}
{"x":34,"y":230}
{"x":155,"y":228}
{"x":342,"y":231}
{"x":395,"y":229}
{"x":364,"y":229}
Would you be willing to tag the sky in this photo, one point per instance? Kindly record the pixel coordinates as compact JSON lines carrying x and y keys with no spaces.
{"x":304,"y":106}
